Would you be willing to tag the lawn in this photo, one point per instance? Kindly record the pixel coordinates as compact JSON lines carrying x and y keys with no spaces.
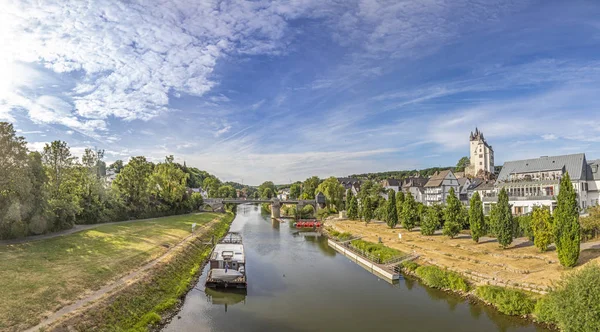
{"x":40,"y":277}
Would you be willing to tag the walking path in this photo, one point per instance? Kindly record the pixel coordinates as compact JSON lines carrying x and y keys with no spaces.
{"x":75,"y":229}
{"x":117,"y":284}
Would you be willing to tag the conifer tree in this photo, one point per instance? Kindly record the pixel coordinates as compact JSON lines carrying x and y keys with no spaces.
{"x":367,"y":210}
{"x":452,"y":215}
{"x":476,"y":218}
{"x":433,"y":219}
{"x":566,"y":221}
{"x":502,"y":219}
{"x":353,"y":208}
{"x":541,"y":225}
{"x":399,"y":204}
{"x":409,"y":212}
{"x":391,"y":213}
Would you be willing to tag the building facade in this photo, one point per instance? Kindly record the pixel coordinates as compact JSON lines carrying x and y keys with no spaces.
{"x":438,"y":187}
{"x":481,"y":156}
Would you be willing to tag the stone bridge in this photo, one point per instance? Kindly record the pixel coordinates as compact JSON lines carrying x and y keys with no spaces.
{"x":217,"y":204}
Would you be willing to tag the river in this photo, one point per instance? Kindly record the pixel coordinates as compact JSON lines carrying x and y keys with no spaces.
{"x":298,"y":283}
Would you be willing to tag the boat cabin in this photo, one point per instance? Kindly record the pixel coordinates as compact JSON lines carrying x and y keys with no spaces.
{"x":228,"y":255}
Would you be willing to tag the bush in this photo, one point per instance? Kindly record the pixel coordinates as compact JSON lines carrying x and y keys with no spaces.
{"x":508,"y":301}
{"x":575,"y":304}
{"x":344,"y":236}
{"x":376,"y":249}
{"x":435,"y":277}
{"x":409,"y":265}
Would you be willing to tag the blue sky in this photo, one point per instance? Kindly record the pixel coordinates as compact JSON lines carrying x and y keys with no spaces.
{"x":282,"y":90}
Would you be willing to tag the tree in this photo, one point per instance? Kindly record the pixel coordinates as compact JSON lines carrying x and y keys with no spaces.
{"x":295,"y":191}
{"x":462,"y":164}
{"x":168,"y":184}
{"x":476,"y":218}
{"x":267,"y":190}
{"x":90,"y":189}
{"x":433,"y":219}
{"x":541,"y":224}
{"x":400,"y":205}
{"x":211,"y":184}
{"x":333,"y":191}
{"x":133,"y":184}
{"x":452,"y":215}
{"x":502,"y":221}
{"x":391,"y":214}
{"x":353,"y":208}
{"x":309,"y":187}
{"x":409,"y":212}
{"x":566,"y":220}
{"x":117,"y":166}
{"x":367,"y":210}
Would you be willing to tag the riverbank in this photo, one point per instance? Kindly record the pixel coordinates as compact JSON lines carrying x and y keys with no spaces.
{"x":41,"y":277}
{"x":151,"y":300}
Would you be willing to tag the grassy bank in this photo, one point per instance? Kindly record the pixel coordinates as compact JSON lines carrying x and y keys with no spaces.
{"x":42,"y":276}
{"x":143,"y":304}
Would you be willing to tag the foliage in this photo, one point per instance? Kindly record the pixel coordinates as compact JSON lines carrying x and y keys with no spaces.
{"x":542,"y":227}
{"x":366,"y":210}
{"x":575,"y":304}
{"x":333,"y":191}
{"x":309,"y":187}
{"x":476,"y":219}
{"x":353,"y":207}
{"x":295,"y":191}
{"x":462,"y":164}
{"x":410,"y":214}
{"x":433,"y":219}
{"x":508,"y":301}
{"x":391,"y":214}
{"x":400,"y":197}
{"x":501,"y":220}
{"x":566,"y":223}
{"x":267,"y":190}
{"x":590,"y":225}
{"x":117,"y":166}
{"x":523,"y":226}
{"x":409,"y":265}
{"x":133,"y":184}
{"x":435,"y":277}
{"x":427,"y":172}
{"x":376,"y":249}
{"x":452,"y":215}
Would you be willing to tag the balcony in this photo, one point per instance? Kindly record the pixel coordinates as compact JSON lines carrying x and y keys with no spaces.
{"x":494,"y":198}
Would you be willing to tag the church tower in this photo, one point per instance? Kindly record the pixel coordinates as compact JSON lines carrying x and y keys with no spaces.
{"x":481,"y":155}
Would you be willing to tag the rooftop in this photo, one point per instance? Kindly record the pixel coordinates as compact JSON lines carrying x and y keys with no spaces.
{"x":233,"y":250}
{"x":575,"y":164}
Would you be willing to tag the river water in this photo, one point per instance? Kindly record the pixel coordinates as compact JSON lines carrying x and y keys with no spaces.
{"x":298,"y":283}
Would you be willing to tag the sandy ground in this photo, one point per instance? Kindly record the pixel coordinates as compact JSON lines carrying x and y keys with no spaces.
{"x":521,"y":265}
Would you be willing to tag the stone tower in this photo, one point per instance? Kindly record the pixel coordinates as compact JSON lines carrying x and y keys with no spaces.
{"x":481,"y":157}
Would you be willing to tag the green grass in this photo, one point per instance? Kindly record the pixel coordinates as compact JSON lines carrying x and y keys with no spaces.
{"x":410,"y":265}
{"x":42,"y":276}
{"x":435,"y":277}
{"x":376,"y":249}
{"x":506,"y":300}
{"x":142,"y":304}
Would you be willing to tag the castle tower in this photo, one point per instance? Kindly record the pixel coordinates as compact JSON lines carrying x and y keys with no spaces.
{"x":481,"y":155}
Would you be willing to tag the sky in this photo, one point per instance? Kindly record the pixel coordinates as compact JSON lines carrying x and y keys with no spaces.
{"x":282,"y":90}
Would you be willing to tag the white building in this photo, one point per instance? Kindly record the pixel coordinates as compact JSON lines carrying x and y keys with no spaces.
{"x":463,"y":186}
{"x":416,"y":186}
{"x":593,"y":177}
{"x":393,"y":184}
{"x":481,"y":157}
{"x":438,"y":186}
{"x":536,"y":182}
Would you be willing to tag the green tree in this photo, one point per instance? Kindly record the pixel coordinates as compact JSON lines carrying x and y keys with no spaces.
{"x":133,"y":184}
{"x":309,"y":187}
{"x":452,"y":215}
{"x":409,"y":212}
{"x":366,"y":209}
{"x":117,"y":166}
{"x":400,"y":197}
{"x":168,"y":184}
{"x":462,"y":164}
{"x":211,"y":184}
{"x":267,"y":190}
{"x":295,"y":191}
{"x":333,"y":191}
{"x":541,"y":224}
{"x":391,"y":214}
{"x":353,"y":208}
{"x":502,"y":221}
{"x":476,"y":218}
{"x":433,"y":219}
{"x":90,"y":189}
{"x":566,"y":222}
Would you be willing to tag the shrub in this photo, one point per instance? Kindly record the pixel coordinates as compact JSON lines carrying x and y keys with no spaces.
{"x":508,"y":301}
{"x":575,"y":304}
{"x":545,"y":310}
{"x":376,"y":249}
{"x":409,"y":265}
{"x":435,"y":277}
{"x":344,"y":236}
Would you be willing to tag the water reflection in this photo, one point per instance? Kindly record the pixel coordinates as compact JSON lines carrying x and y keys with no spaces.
{"x":225,"y":298}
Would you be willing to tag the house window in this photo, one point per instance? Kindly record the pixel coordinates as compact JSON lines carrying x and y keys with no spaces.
{"x":480,"y":156}
{"x":480,"y":163}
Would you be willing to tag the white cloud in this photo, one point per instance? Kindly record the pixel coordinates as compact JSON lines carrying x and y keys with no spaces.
{"x":257,"y":105}
{"x":222,"y":131}
{"x":36,"y":146}
{"x":549,"y":137}
{"x":50,"y":109}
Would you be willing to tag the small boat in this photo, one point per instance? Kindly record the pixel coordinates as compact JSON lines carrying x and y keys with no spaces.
{"x":227,"y":263}
{"x":307,"y":223}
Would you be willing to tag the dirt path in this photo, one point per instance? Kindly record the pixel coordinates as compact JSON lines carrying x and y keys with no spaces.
{"x":75,"y":229}
{"x":109,"y":288}
{"x":521,"y":265}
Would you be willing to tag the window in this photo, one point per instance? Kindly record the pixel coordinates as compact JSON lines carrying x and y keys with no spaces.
{"x":480,"y":163}
{"x":480,"y":156}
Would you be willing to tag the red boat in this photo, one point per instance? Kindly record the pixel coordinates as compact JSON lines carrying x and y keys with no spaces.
{"x":304,"y":223}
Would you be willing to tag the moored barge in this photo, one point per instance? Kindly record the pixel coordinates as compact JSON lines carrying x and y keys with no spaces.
{"x":227,"y":263}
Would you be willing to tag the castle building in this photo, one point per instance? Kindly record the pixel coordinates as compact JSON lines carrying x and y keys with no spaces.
{"x":482,"y":156}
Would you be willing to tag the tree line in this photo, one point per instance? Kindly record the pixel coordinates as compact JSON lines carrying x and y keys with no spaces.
{"x":52,"y":190}
{"x":543,"y":228}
